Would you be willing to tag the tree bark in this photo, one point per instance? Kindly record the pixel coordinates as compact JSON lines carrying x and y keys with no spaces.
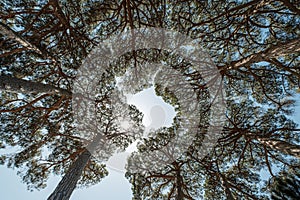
{"x":5,"y":30}
{"x":283,"y":146}
{"x":274,"y":51}
{"x":179,"y":184}
{"x":12,"y":84}
{"x":66,"y":186}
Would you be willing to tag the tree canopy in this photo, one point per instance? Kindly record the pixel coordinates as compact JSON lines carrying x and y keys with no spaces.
{"x":254,"y":45}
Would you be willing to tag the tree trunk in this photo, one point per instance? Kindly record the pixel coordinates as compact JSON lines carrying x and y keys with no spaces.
{"x":284,"y":147}
{"x":12,"y":84}
{"x":5,"y":30}
{"x":66,"y":186}
{"x":280,"y":49}
{"x":68,"y":183}
{"x":180,"y":194}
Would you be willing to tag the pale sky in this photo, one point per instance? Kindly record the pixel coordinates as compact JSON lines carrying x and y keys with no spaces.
{"x":113,"y":187}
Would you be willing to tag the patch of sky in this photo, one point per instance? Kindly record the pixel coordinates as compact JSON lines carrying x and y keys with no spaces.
{"x":157,"y":113}
{"x":103,"y":190}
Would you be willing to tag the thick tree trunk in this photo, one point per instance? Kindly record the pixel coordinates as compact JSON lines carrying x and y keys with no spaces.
{"x":12,"y":84}
{"x":179,"y":185}
{"x":66,"y":186}
{"x":274,"y":51}
{"x":68,"y":183}
{"x":5,"y":30}
{"x":284,"y":147}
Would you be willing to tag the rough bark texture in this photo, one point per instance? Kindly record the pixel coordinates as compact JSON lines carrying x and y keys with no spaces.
{"x":273,"y":51}
{"x":284,"y":147}
{"x":66,"y":186}
{"x":5,"y":30}
{"x":68,"y":183}
{"x":12,"y":84}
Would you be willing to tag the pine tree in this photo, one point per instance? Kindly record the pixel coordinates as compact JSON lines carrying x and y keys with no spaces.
{"x":286,"y":186}
{"x":254,"y":44}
